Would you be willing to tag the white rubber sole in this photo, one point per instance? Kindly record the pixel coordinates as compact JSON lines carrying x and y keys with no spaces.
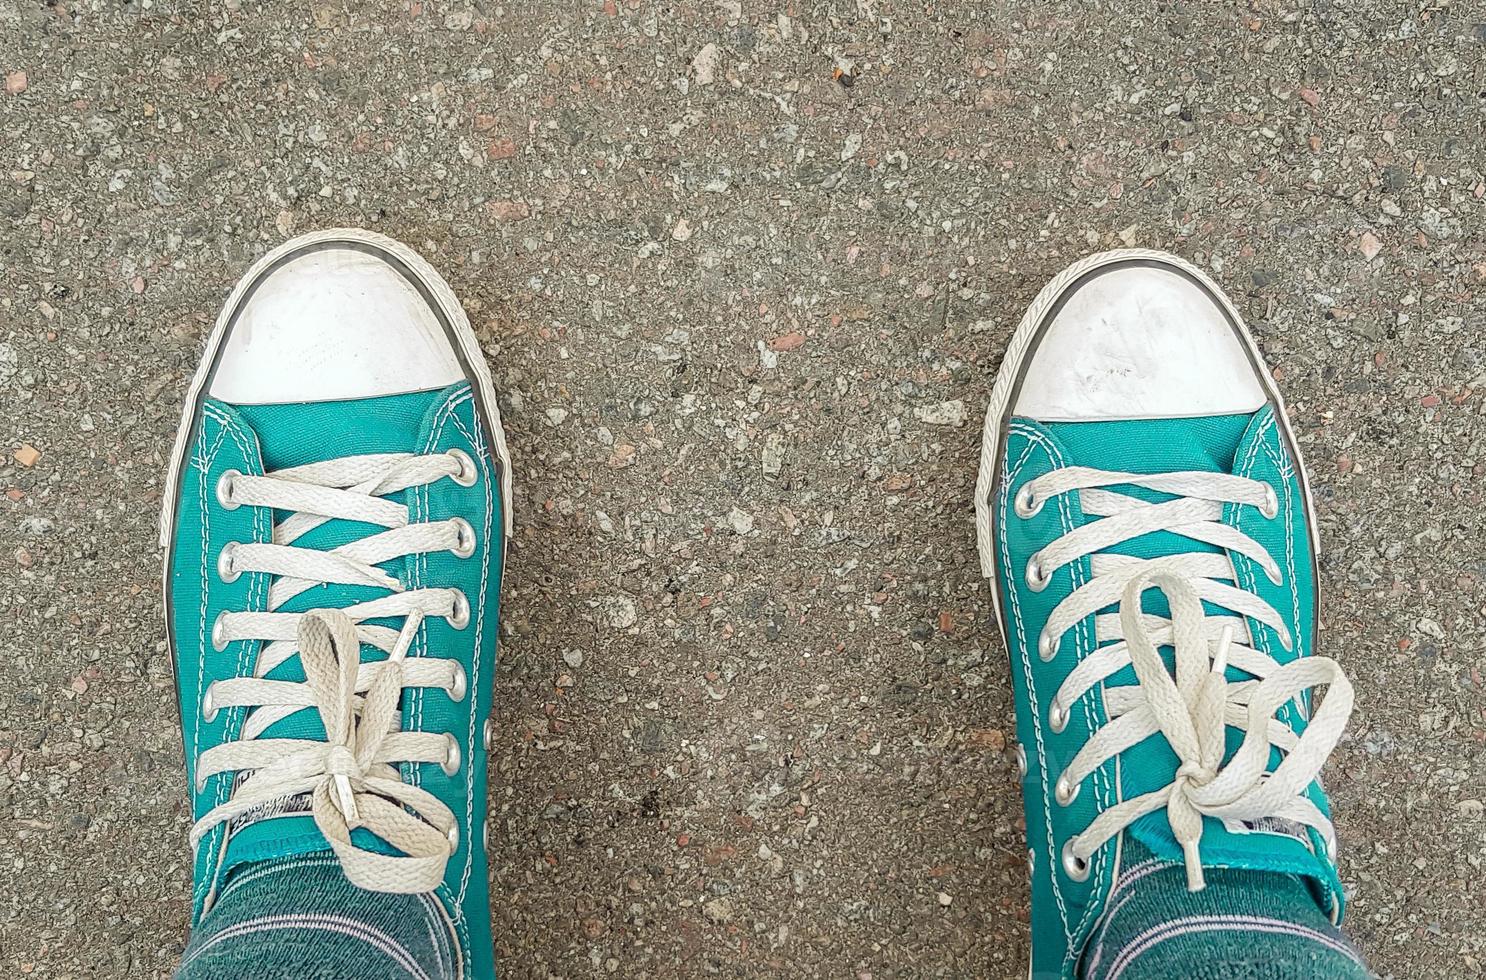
{"x":993,"y":435}
{"x":464,"y":337}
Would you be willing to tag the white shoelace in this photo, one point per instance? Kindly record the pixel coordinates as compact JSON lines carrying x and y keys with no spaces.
{"x":351,"y":778}
{"x":1191,"y":710}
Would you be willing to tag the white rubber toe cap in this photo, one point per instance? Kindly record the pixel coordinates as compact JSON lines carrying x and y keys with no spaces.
{"x":332,"y":323}
{"x":1138,"y":340}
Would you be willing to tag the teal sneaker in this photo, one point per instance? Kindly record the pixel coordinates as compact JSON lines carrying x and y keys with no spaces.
{"x":1148,"y":534}
{"x":335,"y":521}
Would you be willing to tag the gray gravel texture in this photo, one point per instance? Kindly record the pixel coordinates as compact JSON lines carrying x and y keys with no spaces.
{"x":754,"y":715}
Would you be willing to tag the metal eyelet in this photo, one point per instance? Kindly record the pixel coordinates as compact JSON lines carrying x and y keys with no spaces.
{"x":464,"y":542}
{"x":1047,"y":647}
{"x":460,"y":685}
{"x":453,"y":837}
{"x":1021,"y":760}
{"x":1025,"y":503}
{"x":1270,"y":508}
{"x":1057,"y":717}
{"x":468,"y":473}
{"x":226,"y":564}
{"x":1074,"y":866}
{"x":1064,"y":791}
{"x":219,"y":633}
{"x":1275,"y":573}
{"x":485,"y":837}
{"x":1036,"y":580}
{"x":1286,"y":640}
{"x":1031,"y":862}
{"x":208,"y":705}
{"x":451,"y":756}
{"x":200,"y":782}
{"x":459,"y":616}
{"x":224,"y":489}
{"x":488,"y":735}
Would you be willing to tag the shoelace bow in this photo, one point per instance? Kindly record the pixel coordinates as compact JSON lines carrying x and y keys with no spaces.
{"x":351,"y":778}
{"x":1193,"y":708}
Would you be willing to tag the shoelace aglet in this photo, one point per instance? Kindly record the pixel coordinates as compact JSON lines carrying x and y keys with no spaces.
{"x":405,"y":637}
{"x":1195,"y":881}
{"x":347,"y":802}
{"x":1220,"y":659}
{"x":389,"y":582}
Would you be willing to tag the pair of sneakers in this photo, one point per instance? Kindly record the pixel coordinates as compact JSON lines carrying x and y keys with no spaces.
{"x":335,"y":524}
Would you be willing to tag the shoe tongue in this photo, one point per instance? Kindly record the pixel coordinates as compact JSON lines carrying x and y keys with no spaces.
{"x":1150,"y":446}
{"x":293,"y":435}
{"x":313,"y":432}
{"x":310,"y":432}
{"x":1209,"y":444}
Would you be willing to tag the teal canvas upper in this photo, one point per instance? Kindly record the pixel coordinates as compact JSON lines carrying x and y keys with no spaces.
{"x":255,"y":440}
{"x":1065,"y":910}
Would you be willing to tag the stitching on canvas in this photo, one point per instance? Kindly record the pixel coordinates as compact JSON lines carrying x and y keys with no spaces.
{"x":420,"y":568}
{"x":198,"y":894}
{"x":227,"y":427}
{"x":479,"y":655}
{"x":1084,"y":642}
{"x":1244,"y":567}
{"x":1102,"y":783}
{"x":1027,"y":674}
{"x":237,"y":717}
{"x":461,"y":927}
{"x":420,"y":571}
{"x":1285,"y":477}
